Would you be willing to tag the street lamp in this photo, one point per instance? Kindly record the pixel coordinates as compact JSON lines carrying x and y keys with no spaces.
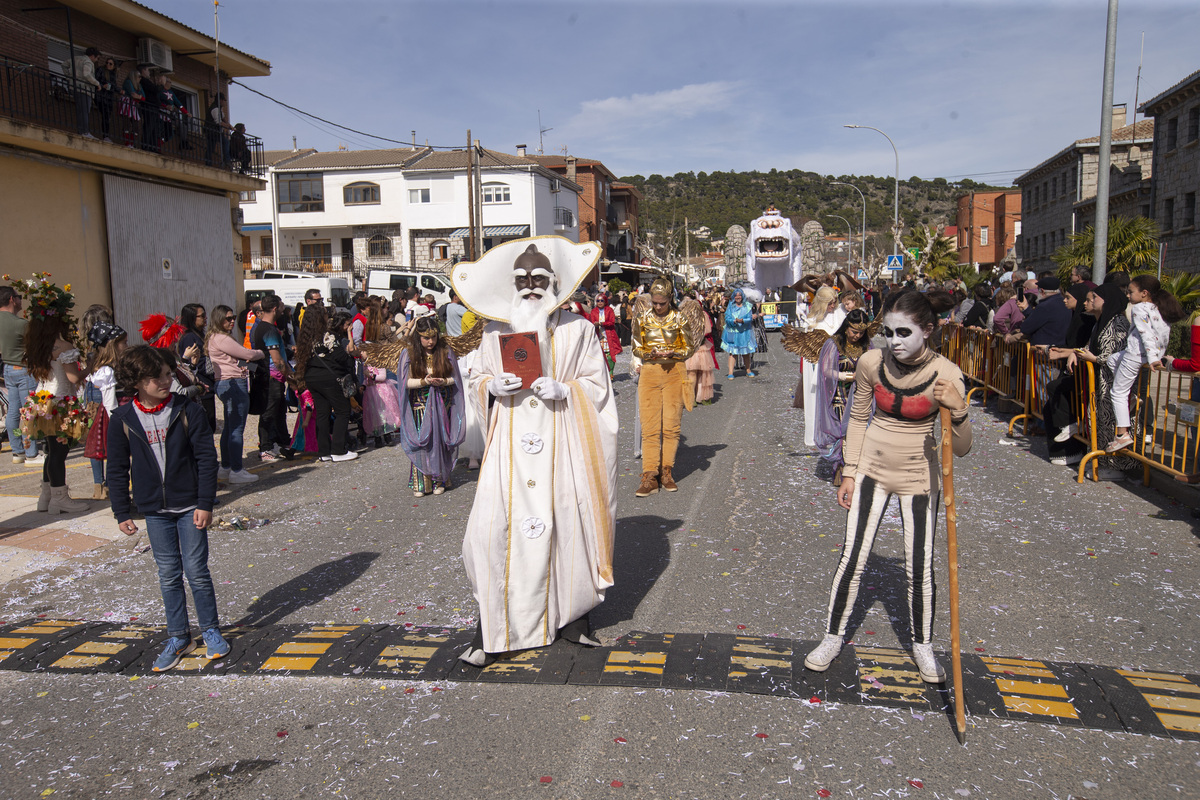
{"x":896,"y":207}
{"x":862,"y":259}
{"x":849,"y":242}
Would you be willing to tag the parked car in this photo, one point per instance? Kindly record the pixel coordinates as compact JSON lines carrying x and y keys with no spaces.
{"x":385,"y":281}
{"x":291,"y":286}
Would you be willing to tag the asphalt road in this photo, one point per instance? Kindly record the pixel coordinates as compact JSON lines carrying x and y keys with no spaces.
{"x":1098,"y":574}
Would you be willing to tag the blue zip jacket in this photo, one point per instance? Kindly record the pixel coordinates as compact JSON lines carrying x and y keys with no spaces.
{"x":191,"y":473}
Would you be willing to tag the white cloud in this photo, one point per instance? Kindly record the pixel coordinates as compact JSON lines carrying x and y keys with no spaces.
{"x":611,"y":116}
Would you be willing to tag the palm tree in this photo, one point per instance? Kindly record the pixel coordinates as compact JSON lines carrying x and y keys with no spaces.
{"x":937,"y":255}
{"x":1132,"y":246}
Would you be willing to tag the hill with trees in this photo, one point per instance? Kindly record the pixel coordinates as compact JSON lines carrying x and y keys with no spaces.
{"x":717,"y":200}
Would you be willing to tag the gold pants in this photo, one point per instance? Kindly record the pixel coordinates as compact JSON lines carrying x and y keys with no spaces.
{"x":662,"y":393}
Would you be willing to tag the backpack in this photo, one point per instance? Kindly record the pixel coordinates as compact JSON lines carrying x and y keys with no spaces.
{"x":260,"y":379}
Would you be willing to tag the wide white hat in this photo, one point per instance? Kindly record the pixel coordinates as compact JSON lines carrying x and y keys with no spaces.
{"x":486,"y":286}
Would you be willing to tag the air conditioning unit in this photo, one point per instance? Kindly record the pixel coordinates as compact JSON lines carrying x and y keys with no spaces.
{"x":555,"y":185}
{"x":151,"y":52}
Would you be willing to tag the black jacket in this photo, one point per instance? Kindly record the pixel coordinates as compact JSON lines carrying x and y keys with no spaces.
{"x":191,"y":474}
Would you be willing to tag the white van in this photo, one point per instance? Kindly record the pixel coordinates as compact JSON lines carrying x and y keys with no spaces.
{"x":383,"y":282}
{"x":291,"y":286}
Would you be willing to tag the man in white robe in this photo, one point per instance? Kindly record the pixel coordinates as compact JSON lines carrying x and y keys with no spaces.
{"x":538,"y":545}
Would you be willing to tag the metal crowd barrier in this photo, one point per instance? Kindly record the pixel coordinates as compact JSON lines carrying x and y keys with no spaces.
{"x":1167,"y":404}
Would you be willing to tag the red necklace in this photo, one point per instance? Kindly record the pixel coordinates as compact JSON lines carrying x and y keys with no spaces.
{"x":152,"y":409}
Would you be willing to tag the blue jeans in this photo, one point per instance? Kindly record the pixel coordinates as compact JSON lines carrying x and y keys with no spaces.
{"x":92,"y":395}
{"x":233,"y":394}
{"x":180,"y":548}
{"x":20,"y":383}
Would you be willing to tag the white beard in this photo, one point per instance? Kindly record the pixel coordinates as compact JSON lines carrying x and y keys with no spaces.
{"x":529,"y":313}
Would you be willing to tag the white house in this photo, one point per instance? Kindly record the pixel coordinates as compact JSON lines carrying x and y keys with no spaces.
{"x":356,"y":210}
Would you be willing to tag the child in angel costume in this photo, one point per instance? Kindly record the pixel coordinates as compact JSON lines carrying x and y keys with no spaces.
{"x":894,"y":453}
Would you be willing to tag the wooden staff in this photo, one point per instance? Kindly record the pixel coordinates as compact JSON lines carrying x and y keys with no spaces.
{"x":960,"y":715}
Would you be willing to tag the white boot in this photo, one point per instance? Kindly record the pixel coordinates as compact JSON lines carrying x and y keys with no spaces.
{"x":927,"y":664}
{"x":61,"y":502}
{"x":44,"y":497}
{"x":824,"y":653}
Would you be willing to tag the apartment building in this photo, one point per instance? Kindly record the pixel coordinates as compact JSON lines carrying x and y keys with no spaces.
{"x":988,"y":225}
{"x":1176,"y":177}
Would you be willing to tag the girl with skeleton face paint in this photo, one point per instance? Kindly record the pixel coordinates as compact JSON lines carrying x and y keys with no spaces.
{"x":894,"y":452}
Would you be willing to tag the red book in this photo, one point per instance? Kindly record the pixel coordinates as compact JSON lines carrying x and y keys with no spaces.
{"x":519,"y":354}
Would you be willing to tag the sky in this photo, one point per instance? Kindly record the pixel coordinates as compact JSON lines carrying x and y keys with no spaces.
{"x":964,"y":88}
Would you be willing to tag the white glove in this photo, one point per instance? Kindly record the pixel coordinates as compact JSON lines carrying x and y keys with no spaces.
{"x":549,"y":389}
{"x":504,"y":385}
{"x":845,"y":376}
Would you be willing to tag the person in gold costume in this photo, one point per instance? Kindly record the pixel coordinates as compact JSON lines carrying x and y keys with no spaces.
{"x":663,"y":337}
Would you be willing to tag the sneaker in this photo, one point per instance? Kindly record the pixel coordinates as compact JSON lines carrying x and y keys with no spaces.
{"x":751,"y":374}
{"x":215,"y":644}
{"x":1066,"y":461}
{"x":242,"y":476}
{"x":823,"y":654}
{"x":37,"y":460}
{"x":287,"y":453}
{"x":1110,"y":474}
{"x":439,"y":489}
{"x":648,"y":486}
{"x":1067,"y":432}
{"x":349,"y":455}
{"x":325,"y":459}
{"x":176,"y":648}
{"x":18,"y":458}
{"x":223,"y":474}
{"x":269,"y":456}
{"x":927,"y":664}
{"x":1119,"y":443}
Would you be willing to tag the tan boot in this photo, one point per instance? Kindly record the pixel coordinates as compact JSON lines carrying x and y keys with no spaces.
{"x":97,"y":491}
{"x":668,"y":483}
{"x":44,"y":497}
{"x":648,"y":486}
{"x":61,"y":502}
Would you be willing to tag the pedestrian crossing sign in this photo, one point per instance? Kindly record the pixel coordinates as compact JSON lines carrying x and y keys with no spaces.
{"x":895,"y":262}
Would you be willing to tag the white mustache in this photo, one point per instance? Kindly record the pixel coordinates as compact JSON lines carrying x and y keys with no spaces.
{"x":526,"y":293}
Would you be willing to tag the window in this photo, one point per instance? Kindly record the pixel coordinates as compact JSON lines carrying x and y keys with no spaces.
{"x":1054,"y":188}
{"x":247,"y":197}
{"x":319,"y":251}
{"x":1062,"y":237}
{"x":496,"y":193}
{"x":1168,"y":221}
{"x":1194,"y":124}
{"x":357,"y":194}
{"x":432,"y":284}
{"x":1189,"y":210}
{"x":379,"y":246}
{"x":300,"y":191}
{"x":266,"y":246}
{"x":983,"y":236}
{"x":564,"y":217}
{"x":1074,"y":192}
{"x":1172,"y":133}
{"x":439,"y":250}
{"x":418,"y":195}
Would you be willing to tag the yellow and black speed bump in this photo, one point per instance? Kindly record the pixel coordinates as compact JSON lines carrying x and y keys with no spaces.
{"x":1038,"y":691}
{"x":1162,"y":703}
{"x":22,"y":643}
{"x":1084,"y":695}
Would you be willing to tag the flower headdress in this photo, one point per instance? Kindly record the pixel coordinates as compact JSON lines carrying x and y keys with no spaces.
{"x":46,"y":299}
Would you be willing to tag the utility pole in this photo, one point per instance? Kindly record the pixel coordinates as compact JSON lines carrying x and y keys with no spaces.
{"x":1100,"y":251}
{"x":479,"y":196}
{"x":470,"y":200}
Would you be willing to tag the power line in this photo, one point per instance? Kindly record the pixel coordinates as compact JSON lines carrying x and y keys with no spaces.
{"x":336,"y":125}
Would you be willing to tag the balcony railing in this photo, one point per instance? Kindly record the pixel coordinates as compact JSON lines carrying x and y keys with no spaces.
{"x":342,"y":265}
{"x":40,"y":96}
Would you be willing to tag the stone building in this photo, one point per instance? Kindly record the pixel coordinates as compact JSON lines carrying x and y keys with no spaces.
{"x":1176,"y":114}
{"x":1058,"y":195}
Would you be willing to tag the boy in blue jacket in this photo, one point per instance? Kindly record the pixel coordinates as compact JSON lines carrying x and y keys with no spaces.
{"x":164,"y":443}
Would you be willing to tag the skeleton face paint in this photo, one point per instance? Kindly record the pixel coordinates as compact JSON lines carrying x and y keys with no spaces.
{"x":905,"y":339}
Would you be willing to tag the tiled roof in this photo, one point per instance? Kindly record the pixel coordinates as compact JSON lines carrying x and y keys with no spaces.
{"x":1142,"y":129}
{"x":273,"y":157}
{"x":458,"y":159}
{"x":560,"y":162}
{"x":1186,"y":82}
{"x":356,"y":159}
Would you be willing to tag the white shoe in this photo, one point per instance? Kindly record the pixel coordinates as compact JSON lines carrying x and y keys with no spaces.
{"x":927,"y":664}
{"x":1109,"y":474}
{"x":824,"y":653}
{"x":242,"y":476}
{"x":18,"y":458}
{"x":223,"y":474}
{"x":37,"y":460}
{"x":1067,"y":432}
{"x":349,"y":455}
{"x":1066,"y":461}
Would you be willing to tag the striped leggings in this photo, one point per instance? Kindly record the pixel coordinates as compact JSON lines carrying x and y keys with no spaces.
{"x":919,"y":513}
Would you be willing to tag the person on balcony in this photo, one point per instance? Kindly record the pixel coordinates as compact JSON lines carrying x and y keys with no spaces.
{"x":85,"y":86}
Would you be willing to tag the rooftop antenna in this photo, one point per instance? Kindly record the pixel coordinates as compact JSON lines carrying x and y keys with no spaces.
{"x":294,"y":148}
{"x":541,"y":131}
{"x":1138,"y":84}
{"x":217,"y":44}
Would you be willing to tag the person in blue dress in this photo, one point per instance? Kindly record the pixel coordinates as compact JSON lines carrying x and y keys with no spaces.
{"x":738,"y":338}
